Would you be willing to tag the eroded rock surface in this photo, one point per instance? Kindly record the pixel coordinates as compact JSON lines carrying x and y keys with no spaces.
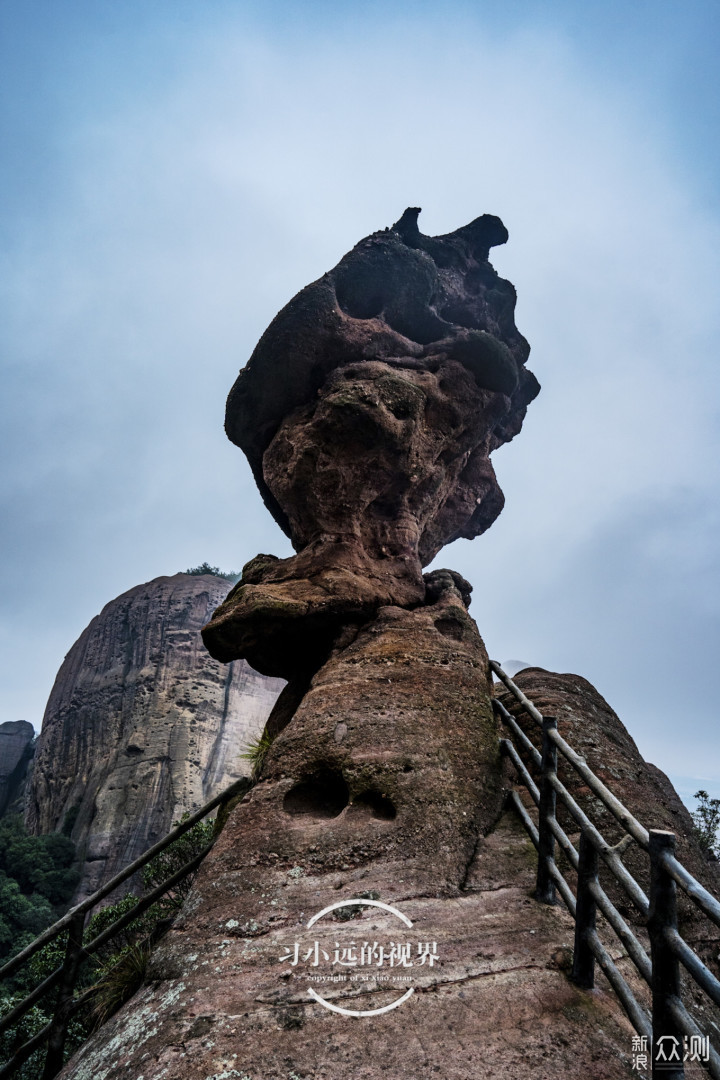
{"x":384,"y":785}
{"x":368,"y":412}
{"x":142,"y":724}
{"x":497,"y":1002}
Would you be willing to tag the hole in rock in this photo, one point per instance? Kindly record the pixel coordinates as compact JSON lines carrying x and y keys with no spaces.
{"x":450,"y":627}
{"x":401,"y":410}
{"x":324,"y":794}
{"x":373,"y":804}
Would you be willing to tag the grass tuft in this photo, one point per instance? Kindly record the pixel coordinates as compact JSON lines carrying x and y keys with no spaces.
{"x":257,"y":751}
{"x":120,"y":981}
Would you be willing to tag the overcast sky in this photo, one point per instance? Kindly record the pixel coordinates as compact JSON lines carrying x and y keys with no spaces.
{"x":174,"y":171}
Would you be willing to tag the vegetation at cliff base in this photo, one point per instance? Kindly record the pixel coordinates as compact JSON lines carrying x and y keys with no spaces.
{"x":117,"y":969}
{"x":36,"y":882}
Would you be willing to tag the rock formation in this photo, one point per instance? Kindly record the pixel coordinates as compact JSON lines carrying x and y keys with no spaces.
{"x":16,"y":750}
{"x":385,"y":785}
{"x":368,"y":412}
{"x":142,"y":724}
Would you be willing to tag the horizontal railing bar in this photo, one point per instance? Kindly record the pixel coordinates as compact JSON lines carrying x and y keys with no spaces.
{"x":564,"y":889}
{"x":145,"y":902}
{"x":517,"y":692}
{"x":27,"y":1002}
{"x":565,"y":843}
{"x":638,"y":1017}
{"x":704,"y":900}
{"x":687,"y":956}
{"x":24,"y":1051}
{"x":557,"y":829}
{"x":635,"y":950}
{"x":560,"y":835}
{"x":512,"y":723}
{"x":605,"y":851}
{"x":687,"y":1025}
{"x":616,"y":808}
{"x":527,"y":821}
{"x":243,"y":784}
{"x":507,"y":748}
{"x":109,"y":932}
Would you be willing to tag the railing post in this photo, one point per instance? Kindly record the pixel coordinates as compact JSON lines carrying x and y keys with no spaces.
{"x":583,"y":969}
{"x":545,"y":886}
{"x":667,"y":1050}
{"x":58,"y":1031}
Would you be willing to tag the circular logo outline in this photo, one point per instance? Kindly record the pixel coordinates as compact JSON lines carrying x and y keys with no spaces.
{"x":355,"y":1012}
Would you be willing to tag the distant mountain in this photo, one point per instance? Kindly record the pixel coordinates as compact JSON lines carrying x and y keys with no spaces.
{"x":142,"y":724}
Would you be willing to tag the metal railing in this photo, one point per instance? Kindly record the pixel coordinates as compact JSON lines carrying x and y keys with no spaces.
{"x":670,"y":1029}
{"x":66,"y":975}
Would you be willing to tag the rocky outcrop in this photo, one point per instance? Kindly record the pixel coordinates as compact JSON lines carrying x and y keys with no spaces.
{"x":496,"y":1003}
{"x":142,"y":724}
{"x":16,"y":751}
{"x":367,"y":908}
{"x":385,"y":786}
{"x":368,"y":412}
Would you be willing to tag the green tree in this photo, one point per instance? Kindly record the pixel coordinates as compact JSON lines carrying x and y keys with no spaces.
{"x":706,"y":819}
{"x":206,"y":568}
{"x":116,"y":971}
{"x":36,"y":882}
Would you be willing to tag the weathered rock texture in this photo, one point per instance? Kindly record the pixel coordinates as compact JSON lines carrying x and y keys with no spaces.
{"x":498,"y":1004}
{"x":16,"y":751}
{"x":361,"y":796}
{"x":595,"y":731}
{"x":385,"y":784}
{"x":368,"y":412}
{"x":142,"y":724}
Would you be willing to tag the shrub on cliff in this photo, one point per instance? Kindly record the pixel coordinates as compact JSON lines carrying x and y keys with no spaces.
{"x":206,"y":568}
